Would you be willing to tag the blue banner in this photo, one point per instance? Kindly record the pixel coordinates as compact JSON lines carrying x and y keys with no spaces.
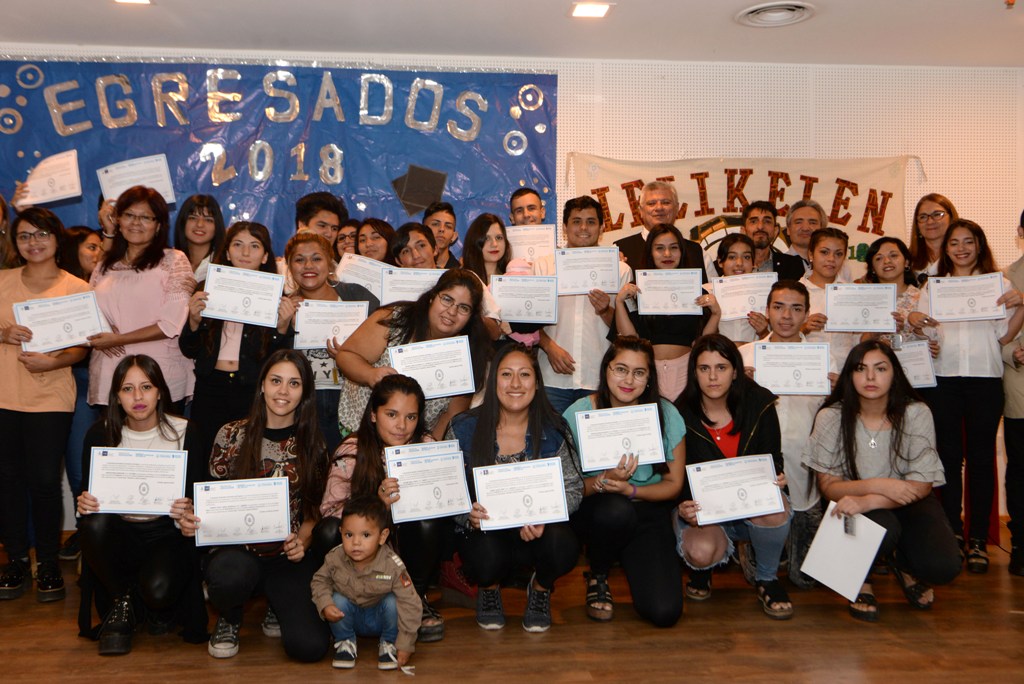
{"x":258,"y":137}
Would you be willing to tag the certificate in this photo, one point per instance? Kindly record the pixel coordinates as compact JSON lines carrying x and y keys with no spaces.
{"x":532,"y":242}
{"x":860,"y":308}
{"x":243,"y":296}
{"x":139,"y":481}
{"x":54,"y":178}
{"x":799,"y":368}
{"x":242,"y":511}
{"x":606,"y":434}
{"x":152,"y":172}
{"x":444,"y":368}
{"x":669,"y":291}
{"x":431,"y":485}
{"x":741,"y":294}
{"x":517,"y":494}
{"x":968,"y":298}
{"x":916,"y":359}
{"x":59,"y":322}
{"x":583,"y":269}
{"x":361,"y":271}
{"x":734,"y":488}
{"x":317,"y":322}
{"x":526,"y":299}
{"x":842,"y":552}
{"x":406,"y":284}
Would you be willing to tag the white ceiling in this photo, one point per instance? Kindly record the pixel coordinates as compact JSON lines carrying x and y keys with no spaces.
{"x":897,"y":32}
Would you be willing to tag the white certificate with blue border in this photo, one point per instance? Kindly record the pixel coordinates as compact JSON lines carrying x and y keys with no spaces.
{"x":966,"y":298}
{"x":444,"y":368}
{"x":916,"y":359}
{"x":792,"y":368}
{"x":59,"y":322}
{"x":583,"y":269}
{"x":606,"y":435}
{"x":252,"y":511}
{"x":669,"y":292}
{"x":517,"y":494}
{"x":406,"y":284}
{"x":860,"y":307}
{"x":734,"y":488}
{"x":526,"y":299}
{"x":740,"y":294}
{"x":430,"y":485}
{"x":137,"y":481}
{"x":360,"y":270}
{"x":316,"y":322}
{"x":531,"y":242}
{"x":243,"y":295}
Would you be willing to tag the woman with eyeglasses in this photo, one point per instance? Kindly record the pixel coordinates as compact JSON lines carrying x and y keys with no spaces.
{"x":448,"y":309}
{"x":199,"y":232}
{"x":625,"y":511}
{"x":143,"y":289}
{"x":345,"y":243}
{"x":931,"y":219}
{"x":36,"y":408}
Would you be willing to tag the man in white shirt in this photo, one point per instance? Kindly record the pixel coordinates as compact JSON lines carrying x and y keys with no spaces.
{"x":525,"y":208}
{"x":573,"y":347}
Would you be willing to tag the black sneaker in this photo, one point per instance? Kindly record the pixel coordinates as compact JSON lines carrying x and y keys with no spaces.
{"x":537,"y":617}
{"x":490,"y":614}
{"x":224,"y":642}
{"x":71,"y":549}
{"x":345,"y":654}
{"x":159,"y":622}
{"x":14,"y":579}
{"x":49,"y":582}
{"x":1016,"y":566}
{"x":271,"y":627}
{"x":117,"y":629}
{"x":430,"y":633}
{"x":387,"y":656}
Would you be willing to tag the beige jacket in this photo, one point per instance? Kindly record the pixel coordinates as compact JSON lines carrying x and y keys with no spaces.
{"x":1013,"y":373}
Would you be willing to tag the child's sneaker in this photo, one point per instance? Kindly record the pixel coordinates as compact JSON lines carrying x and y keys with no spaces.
{"x":345,"y":654}
{"x":387,"y":656}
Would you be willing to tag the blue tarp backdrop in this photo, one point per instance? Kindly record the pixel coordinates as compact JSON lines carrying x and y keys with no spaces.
{"x":258,"y":137}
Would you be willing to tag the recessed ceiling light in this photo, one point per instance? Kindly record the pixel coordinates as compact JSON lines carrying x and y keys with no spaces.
{"x":775,"y":14}
{"x":134,"y":2}
{"x":591,"y":10}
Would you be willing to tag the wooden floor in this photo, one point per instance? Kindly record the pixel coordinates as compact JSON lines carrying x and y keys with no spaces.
{"x":975,"y":633}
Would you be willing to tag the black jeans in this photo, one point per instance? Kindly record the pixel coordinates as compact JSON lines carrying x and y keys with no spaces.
{"x":32,"y":449}
{"x":489,"y":557}
{"x":219,"y":398}
{"x":234,"y":574}
{"x":921,"y":540}
{"x":639,"y":535}
{"x":967,"y":412}
{"x":1013,"y":434}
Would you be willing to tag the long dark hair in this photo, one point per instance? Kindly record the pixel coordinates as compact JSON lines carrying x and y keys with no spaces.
{"x":74,"y":236}
{"x":985,"y":263}
{"x":691,"y":397}
{"x":845,"y":397}
{"x":382,"y":228}
{"x":43,"y":219}
{"x":473,"y":247}
{"x":404,"y":234}
{"x":154,"y":252}
{"x":310,"y":448}
{"x":115,"y":416}
{"x":728,"y":241}
{"x":657,"y":231}
{"x":369,"y":469}
{"x":411,"y":320}
{"x":204,"y":205}
{"x":542,"y":417}
{"x":876,"y":246}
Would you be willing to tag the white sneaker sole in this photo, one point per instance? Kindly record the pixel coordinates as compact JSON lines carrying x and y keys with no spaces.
{"x":491,"y":626}
{"x":343,"y":664}
{"x":222,"y":652}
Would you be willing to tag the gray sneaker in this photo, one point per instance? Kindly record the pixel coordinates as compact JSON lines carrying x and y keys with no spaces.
{"x":537,"y":617}
{"x":224,"y":642}
{"x":271,"y":627}
{"x":489,"y":612}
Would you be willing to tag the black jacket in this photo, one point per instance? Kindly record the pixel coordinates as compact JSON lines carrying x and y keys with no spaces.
{"x":632,"y":248}
{"x":251,"y":354}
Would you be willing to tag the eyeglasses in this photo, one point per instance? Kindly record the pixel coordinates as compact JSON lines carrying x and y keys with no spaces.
{"x":447,"y":302}
{"x":38,"y":236}
{"x":621,"y":372}
{"x":934,"y":216}
{"x":129,"y":217}
{"x":346,"y":237}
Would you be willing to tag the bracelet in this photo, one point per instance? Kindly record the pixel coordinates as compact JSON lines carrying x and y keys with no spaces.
{"x":633,"y":494}
{"x":109,"y":237}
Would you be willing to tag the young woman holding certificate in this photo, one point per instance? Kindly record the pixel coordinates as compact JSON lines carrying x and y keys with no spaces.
{"x":873,"y":449}
{"x":735,"y":257}
{"x":229,"y":355}
{"x":888,"y":263}
{"x":968,"y":401}
{"x":624,"y":515}
{"x":515,"y":423}
{"x":449,"y":309}
{"x":143,"y":566}
{"x":729,"y":415}
{"x":827,"y":251}
{"x":143,"y":289}
{"x":393,"y":417}
{"x":280,"y":438}
{"x":36,"y":407}
{"x":199,"y":232}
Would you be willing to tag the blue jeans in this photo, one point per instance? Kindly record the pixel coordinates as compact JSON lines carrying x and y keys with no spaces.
{"x":768,"y":543}
{"x":562,"y":398}
{"x":380,"y":619}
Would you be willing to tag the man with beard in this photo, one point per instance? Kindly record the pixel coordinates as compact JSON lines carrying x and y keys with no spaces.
{"x":759,"y":224}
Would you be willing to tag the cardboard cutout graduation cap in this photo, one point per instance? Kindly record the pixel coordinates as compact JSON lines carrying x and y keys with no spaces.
{"x":419,"y":188}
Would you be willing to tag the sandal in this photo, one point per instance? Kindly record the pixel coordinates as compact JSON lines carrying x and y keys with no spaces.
{"x":913,"y":590}
{"x":699,"y":586}
{"x":771,"y":594}
{"x":869,"y":613}
{"x":599,"y":597}
{"x":977,"y":557}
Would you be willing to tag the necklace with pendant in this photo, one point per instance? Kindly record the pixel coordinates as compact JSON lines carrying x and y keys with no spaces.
{"x":873,"y":442}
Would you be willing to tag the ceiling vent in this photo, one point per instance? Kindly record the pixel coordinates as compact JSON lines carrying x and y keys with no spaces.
{"x":774,"y":14}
